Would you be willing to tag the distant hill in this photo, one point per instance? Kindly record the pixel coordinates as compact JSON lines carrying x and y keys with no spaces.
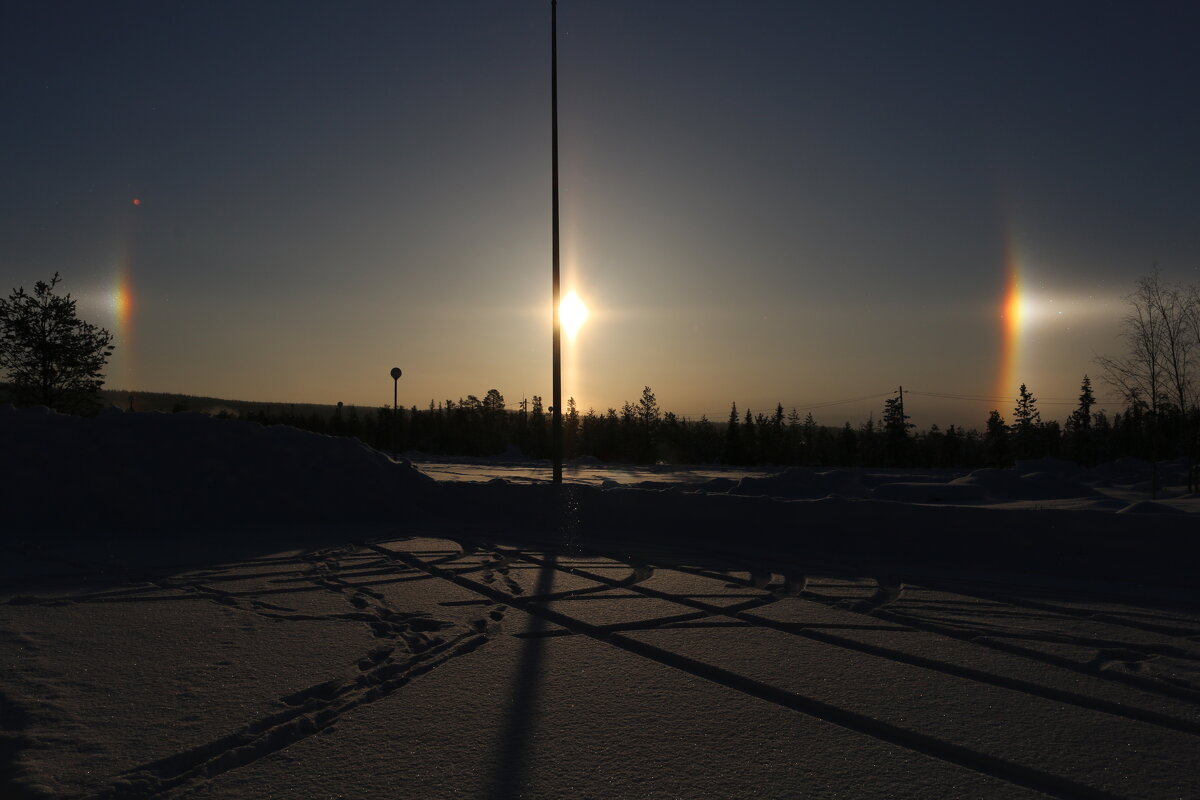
{"x":171,"y":402}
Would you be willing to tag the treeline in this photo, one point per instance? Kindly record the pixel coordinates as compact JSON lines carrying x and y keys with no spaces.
{"x":643,"y":433}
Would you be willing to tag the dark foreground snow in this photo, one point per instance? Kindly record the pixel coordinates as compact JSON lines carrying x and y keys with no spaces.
{"x":351,"y":628}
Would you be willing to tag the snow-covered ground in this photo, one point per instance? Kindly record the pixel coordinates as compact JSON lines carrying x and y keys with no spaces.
{"x":585,"y":471}
{"x":1122,"y":486}
{"x":201,"y":608}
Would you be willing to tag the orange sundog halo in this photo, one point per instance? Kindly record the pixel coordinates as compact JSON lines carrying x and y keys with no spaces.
{"x":122,"y":302}
{"x":1011,"y":313}
{"x":122,"y":307}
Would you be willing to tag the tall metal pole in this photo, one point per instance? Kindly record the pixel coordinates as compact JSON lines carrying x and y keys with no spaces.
{"x":395,"y":373}
{"x":556,"y":433}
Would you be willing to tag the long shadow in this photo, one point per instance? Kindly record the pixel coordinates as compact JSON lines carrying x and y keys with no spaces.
{"x":515,"y":747}
{"x":13,"y":722}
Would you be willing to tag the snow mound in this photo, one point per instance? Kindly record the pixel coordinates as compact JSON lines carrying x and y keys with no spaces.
{"x":1149,"y":507}
{"x":1004,"y":485}
{"x":1052,"y":466}
{"x":952,"y":492}
{"x":1123,"y":471}
{"x":715,"y":485}
{"x":137,"y":471}
{"x":801,"y":483}
{"x":1051,"y":486}
{"x":992,"y":486}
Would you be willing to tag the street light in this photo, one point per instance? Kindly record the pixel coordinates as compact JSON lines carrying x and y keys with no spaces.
{"x":395,"y":394}
{"x":556,"y":433}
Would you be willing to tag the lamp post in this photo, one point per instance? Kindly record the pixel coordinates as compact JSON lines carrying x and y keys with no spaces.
{"x":556,"y":432}
{"x":395,"y":394}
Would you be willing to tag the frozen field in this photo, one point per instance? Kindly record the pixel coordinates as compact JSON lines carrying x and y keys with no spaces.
{"x":198,"y":608}
{"x":1049,"y":483}
{"x":586,"y":472}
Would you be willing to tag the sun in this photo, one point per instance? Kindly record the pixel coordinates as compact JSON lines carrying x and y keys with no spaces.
{"x":572,"y":313}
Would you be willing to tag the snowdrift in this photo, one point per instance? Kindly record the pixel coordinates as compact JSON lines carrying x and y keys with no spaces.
{"x":878,"y":537}
{"x":171,"y":472}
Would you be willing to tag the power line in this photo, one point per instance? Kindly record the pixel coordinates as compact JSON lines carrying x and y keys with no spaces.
{"x":804,"y":406}
{"x":1049,"y":401}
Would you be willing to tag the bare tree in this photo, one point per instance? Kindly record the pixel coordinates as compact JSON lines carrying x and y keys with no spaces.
{"x":1192,"y":333}
{"x":1175,"y":313}
{"x":1158,"y":368}
{"x":1174,"y":307}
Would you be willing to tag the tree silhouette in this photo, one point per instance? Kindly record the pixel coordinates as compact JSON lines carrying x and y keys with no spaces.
{"x":749,"y":438}
{"x":1026,"y":421}
{"x":52,"y":357}
{"x":1079,"y":424}
{"x":571,"y":429}
{"x":1142,"y":375}
{"x":537,"y":428}
{"x":732,"y":453}
{"x":649,"y":418}
{"x":997,"y":439}
{"x":895,"y":429}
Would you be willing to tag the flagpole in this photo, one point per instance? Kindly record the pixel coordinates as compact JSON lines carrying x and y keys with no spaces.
{"x":556,"y":437}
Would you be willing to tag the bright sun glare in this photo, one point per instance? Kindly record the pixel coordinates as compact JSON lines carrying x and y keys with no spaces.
{"x":572,"y":313}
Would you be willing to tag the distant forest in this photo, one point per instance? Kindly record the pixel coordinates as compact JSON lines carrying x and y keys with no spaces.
{"x":643,"y":433}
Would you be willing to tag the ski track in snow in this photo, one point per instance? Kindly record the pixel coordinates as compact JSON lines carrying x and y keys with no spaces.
{"x":994,"y":644}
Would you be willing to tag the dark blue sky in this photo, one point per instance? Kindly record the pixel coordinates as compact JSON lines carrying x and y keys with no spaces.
{"x":761,"y":202}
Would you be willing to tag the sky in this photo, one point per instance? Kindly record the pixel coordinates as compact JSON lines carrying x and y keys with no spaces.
{"x":762,"y":202}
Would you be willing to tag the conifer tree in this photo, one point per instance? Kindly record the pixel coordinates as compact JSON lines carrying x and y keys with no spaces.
{"x":895,"y":421}
{"x":996,"y":439}
{"x":1079,"y":424}
{"x":895,"y":428}
{"x":648,"y":410}
{"x":1026,"y":422}
{"x":1081,"y":418}
{"x":537,"y":428}
{"x":649,"y":419}
{"x":52,"y":357}
{"x":571,"y":425}
{"x":733,"y":444}
{"x":749,"y":438}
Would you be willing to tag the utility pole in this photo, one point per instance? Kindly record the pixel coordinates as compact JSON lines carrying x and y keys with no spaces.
{"x":556,"y":432}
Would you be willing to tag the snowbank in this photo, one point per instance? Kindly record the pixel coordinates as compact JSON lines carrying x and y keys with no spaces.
{"x":803,"y":483}
{"x":866,"y":534}
{"x":167,"y":472}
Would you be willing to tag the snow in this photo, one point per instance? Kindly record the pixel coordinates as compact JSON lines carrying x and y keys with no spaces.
{"x":1042,"y":483}
{"x":585,"y":470}
{"x":203,"y":608}
{"x":147,"y":471}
